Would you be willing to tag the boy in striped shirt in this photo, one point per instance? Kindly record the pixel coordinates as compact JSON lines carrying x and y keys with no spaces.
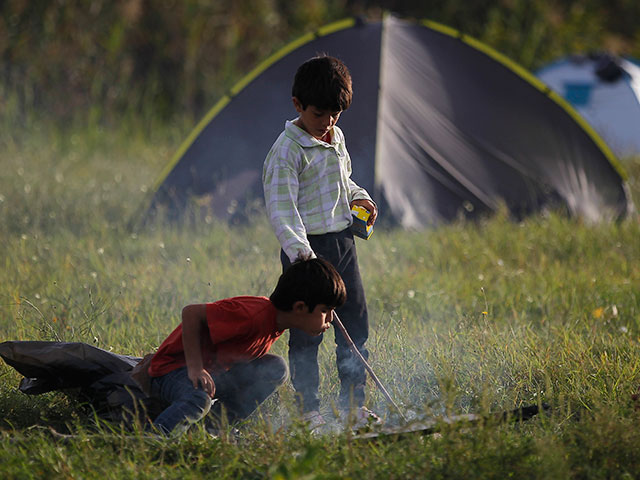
{"x":309,"y":195}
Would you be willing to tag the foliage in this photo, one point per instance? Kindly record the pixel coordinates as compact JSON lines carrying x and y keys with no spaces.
{"x":155,"y":57}
{"x":477,"y":318}
{"x":78,"y":62}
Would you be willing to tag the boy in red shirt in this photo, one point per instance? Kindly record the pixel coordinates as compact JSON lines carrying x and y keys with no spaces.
{"x":220,"y":349}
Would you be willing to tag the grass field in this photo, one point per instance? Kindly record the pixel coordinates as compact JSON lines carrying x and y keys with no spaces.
{"x":467,"y":318}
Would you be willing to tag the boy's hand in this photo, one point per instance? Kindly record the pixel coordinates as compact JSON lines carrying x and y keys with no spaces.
{"x":370,"y":206}
{"x":202,"y":377}
{"x":194,"y":328}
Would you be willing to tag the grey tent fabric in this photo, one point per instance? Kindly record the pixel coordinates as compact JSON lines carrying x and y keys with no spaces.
{"x":98,"y":377}
{"x":223,"y":164}
{"x":440,"y":127}
{"x":479,"y":137}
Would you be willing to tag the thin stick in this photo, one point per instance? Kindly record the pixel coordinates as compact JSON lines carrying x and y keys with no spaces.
{"x":354,"y":349}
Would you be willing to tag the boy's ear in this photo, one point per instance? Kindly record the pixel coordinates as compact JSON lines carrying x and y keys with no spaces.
{"x":299,"y":307}
{"x":297,"y":104}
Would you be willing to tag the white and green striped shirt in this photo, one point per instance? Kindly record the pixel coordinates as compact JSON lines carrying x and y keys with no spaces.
{"x":307,"y":187}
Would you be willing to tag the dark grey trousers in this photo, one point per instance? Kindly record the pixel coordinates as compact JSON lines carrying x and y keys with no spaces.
{"x":245,"y":386}
{"x":339,"y":249}
{"x":240,"y":390}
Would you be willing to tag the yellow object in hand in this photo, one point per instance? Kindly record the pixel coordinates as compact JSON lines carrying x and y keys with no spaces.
{"x":359,"y":226}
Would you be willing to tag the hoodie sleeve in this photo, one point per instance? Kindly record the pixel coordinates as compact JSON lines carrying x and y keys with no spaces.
{"x":280,"y":183}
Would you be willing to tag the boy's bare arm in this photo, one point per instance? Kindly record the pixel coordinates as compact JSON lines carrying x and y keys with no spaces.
{"x":194,"y":325}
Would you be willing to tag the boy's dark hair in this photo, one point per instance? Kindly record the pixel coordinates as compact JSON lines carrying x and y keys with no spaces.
{"x":313,"y":281}
{"x":324,"y":82}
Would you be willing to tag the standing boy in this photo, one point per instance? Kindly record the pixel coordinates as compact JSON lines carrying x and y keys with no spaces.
{"x":219,"y":351}
{"x":309,"y":194}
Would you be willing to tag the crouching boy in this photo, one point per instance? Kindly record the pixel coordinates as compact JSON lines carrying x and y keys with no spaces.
{"x":220,"y":350}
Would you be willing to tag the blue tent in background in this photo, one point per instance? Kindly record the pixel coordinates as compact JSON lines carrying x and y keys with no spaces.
{"x":605,"y":90}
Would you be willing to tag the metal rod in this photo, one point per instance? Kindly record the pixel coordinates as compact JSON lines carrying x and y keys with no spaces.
{"x":354,"y":349}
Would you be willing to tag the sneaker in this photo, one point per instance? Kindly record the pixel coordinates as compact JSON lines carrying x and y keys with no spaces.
{"x":360,"y":418}
{"x":313,"y":420}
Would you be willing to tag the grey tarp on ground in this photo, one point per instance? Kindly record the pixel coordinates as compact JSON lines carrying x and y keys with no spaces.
{"x":440,"y":126}
{"x":100,"y":377}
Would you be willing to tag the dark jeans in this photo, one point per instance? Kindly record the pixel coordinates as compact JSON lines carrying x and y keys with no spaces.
{"x":339,"y":249}
{"x":240,"y":390}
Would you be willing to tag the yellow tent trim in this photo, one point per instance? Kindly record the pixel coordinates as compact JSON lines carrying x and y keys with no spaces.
{"x":336,"y":26}
{"x":537,"y":83}
{"x":237,"y":88}
{"x":270,"y":61}
{"x":189,"y":140}
{"x":262,"y":66}
{"x":349,"y":22}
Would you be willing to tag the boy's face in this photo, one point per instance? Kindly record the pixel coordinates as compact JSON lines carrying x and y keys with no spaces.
{"x":313,"y":322}
{"x":314,"y":121}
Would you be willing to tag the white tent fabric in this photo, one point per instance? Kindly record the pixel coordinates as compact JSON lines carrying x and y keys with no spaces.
{"x":611,"y":106}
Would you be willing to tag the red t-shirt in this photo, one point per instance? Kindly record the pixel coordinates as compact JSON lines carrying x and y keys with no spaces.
{"x":241,"y":329}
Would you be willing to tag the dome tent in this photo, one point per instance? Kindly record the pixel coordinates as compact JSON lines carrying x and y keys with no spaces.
{"x":441,"y":125}
{"x":605,"y":90}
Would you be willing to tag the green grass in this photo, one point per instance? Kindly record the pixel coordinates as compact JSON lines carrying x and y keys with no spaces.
{"x":466,"y":318}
